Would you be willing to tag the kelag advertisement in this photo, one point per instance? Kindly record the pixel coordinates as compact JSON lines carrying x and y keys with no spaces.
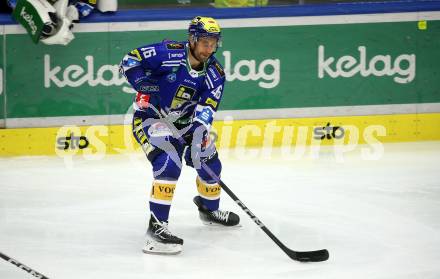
{"x":266,"y":68}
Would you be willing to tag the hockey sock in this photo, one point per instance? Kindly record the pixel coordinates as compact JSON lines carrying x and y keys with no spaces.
{"x":162,"y":193}
{"x":210,"y":193}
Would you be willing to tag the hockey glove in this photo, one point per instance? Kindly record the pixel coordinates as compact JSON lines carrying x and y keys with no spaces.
{"x":197,"y":134}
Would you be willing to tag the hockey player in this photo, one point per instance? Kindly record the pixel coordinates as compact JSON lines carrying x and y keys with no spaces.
{"x":183,"y":83}
{"x":51,"y":21}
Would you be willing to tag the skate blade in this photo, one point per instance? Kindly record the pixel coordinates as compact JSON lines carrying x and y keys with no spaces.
{"x":220,"y":226}
{"x":157,"y":248}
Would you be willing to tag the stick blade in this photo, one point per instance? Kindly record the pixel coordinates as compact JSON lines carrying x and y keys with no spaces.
{"x":308,"y":256}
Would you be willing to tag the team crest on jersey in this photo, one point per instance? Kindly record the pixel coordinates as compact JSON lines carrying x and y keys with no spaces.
{"x":219,"y":69}
{"x":171,"y":77}
{"x":183,"y":94}
{"x":175,"y":46}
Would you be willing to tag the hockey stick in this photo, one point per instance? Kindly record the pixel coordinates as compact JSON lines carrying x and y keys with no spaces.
{"x":22,"y":266}
{"x":302,"y":256}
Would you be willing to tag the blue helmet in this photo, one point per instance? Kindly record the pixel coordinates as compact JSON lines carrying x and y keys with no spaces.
{"x":204,"y":27}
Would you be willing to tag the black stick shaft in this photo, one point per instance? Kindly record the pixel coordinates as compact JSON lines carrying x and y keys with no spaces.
{"x":257,"y":221}
{"x":307,"y":256}
{"x":22,"y":266}
{"x":244,"y":207}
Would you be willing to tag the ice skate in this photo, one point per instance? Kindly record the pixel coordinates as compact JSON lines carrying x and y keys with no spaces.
{"x":218,"y":217}
{"x":160,"y":240}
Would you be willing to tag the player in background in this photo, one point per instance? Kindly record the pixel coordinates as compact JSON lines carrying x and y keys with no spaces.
{"x":183,"y":83}
{"x":51,"y":21}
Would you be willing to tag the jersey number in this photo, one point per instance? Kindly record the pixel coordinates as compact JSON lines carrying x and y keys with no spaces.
{"x":148,"y":52}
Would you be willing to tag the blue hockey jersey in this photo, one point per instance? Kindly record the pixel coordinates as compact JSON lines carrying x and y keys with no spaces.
{"x":163,"y":71}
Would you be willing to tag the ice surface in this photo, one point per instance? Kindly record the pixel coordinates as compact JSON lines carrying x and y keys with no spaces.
{"x":87,"y":218}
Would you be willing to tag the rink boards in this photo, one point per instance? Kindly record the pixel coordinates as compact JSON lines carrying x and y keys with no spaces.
{"x":343,"y":131}
{"x":292,"y":80}
{"x":289,"y":62}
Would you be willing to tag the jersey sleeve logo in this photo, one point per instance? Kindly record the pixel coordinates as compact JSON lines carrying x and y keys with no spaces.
{"x":175,"y":46}
{"x":204,"y":115}
{"x":212,"y":103}
{"x":219,"y":69}
{"x":135,"y":53}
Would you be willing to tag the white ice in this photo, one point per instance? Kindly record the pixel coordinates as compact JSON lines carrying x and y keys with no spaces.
{"x":380,"y":219}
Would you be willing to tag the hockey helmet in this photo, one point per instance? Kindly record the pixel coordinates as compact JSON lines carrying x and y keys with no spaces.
{"x":204,"y":27}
